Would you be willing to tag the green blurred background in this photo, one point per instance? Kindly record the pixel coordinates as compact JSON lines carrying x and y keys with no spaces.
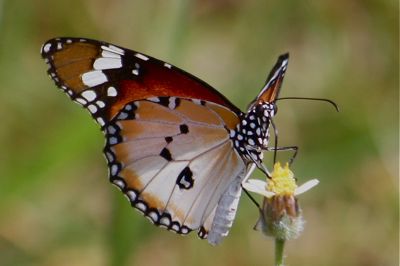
{"x":56,"y":204}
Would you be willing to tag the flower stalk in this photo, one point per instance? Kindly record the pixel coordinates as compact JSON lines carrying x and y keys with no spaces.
{"x":279,"y":247}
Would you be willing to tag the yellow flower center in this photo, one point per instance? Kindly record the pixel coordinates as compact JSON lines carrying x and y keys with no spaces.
{"x":282,"y":180}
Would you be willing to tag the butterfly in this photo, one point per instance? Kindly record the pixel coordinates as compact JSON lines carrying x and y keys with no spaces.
{"x":176,"y":147}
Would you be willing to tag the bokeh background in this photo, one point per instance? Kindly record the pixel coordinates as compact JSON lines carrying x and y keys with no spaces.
{"x":56,"y":204}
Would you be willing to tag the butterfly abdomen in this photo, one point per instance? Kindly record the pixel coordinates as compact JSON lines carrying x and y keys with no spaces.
{"x":225,"y":212}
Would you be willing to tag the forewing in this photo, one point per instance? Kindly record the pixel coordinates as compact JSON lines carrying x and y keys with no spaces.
{"x":274,"y":81}
{"x":104,"y":77}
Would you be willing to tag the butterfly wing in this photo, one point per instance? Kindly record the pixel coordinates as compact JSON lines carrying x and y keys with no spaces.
{"x":104,"y":77}
{"x":173,"y":159}
{"x":168,"y":146}
{"x":274,"y":81}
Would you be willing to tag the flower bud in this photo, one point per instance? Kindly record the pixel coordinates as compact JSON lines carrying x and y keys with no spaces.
{"x":280,"y":217}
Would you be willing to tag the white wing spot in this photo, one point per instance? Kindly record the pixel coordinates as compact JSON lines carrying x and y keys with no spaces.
{"x":113,"y":49}
{"x":135,"y":72}
{"x":100,"y":104}
{"x":119,"y":183}
{"x":108,"y":54}
{"x":175,"y":227}
{"x":116,"y":49}
{"x":89,"y":95}
{"x":128,"y":107}
{"x":171,"y":104}
{"x":167,"y":65}
{"x":141,"y":206}
{"x":114,"y":169}
{"x":107,"y":63}
{"x":112,"y":92}
{"x":196,"y":101}
{"x":113,"y":140}
{"x":81,"y":101}
{"x":100,"y":121}
{"x":153,"y":216}
{"x":165,"y":221}
{"x":92,"y":108}
{"x":141,"y":56}
{"x":131,"y":195}
{"x":46,"y":47}
{"x":111,"y":130}
{"x":94,"y":78}
{"x":110,"y":157}
{"x":122,"y":116}
{"x":154,"y":99}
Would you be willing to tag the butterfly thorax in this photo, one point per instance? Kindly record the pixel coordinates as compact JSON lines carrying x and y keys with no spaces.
{"x":251,"y":135}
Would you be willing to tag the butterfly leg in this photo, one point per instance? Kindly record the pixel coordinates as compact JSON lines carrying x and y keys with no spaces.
{"x":276,"y":148}
{"x":288,"y":148}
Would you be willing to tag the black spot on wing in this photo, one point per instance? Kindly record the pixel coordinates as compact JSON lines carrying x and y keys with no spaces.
{"x":164,"y":101}
{"x":166,"y":154}
{"x":202,"y":233}
{"x":184,"y":129}
{"x":168,"y":139}
{"x":185,"y":179}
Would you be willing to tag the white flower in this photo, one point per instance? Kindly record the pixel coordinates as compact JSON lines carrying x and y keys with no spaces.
{"x":282,"y":182}
{"x":280,"y":213}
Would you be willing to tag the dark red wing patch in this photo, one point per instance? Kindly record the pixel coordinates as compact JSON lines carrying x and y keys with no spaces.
{"x":104,"y":77}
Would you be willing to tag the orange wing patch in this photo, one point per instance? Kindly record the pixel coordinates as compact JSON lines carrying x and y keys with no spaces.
{"x":74,"y":60}
{"x":230,"y":119}
{"x":198,"y":113}
{"x":155,"y":112}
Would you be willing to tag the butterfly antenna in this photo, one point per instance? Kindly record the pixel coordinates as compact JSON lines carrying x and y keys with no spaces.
{"x":311,"y":99}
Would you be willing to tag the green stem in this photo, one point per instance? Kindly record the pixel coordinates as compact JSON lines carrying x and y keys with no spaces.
{"x":279,"y":246}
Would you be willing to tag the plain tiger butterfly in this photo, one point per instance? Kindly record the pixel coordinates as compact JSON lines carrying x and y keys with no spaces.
{"x":175,"y":146}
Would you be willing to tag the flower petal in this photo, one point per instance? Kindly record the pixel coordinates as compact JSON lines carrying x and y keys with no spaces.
{"x":258,"y":186}
{"x":306,"y":186}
